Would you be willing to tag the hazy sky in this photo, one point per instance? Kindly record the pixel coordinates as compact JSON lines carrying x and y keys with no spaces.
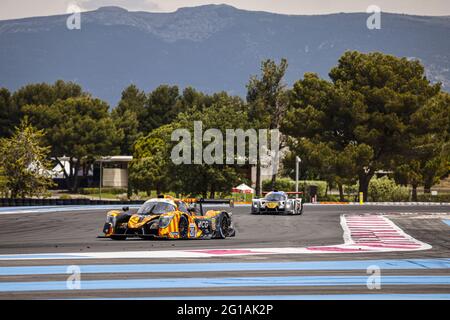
{"x":10,"y":9}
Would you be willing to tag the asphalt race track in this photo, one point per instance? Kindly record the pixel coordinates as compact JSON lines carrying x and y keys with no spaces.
{"x":271,"y":257}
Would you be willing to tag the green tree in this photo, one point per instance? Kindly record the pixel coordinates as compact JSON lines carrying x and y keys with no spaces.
{"x":24,"y":162}
{"x":267,"y":97}
{"x":79,"y":128}
{"x":192,"y":98}
{"x":321,"y":161}
{"x":66,"y":89}
{"x":385,"y":189}
{"x":369,"y":104}
{"x":3,"y":182}
{"x":150,"y":168}
{"x":153,"y":169}
{"x":162,"y":107}
{"x":133,"y":100}
{"x":427,"y":154}
{"x":323,"y":156}
{"x":130,"y":116}
{"x":46,"y":94}
{"x":37,"y":94}
{"x":224,"y":113}
{"x":9,"y":114}
{"x":128,"y":123}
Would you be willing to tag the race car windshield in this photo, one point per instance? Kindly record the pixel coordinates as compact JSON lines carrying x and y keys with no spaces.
{"x":274,"y":197}
{"x":156,"y":208}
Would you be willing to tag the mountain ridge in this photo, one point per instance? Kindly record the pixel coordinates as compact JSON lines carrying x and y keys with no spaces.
{"x":211,"y":47}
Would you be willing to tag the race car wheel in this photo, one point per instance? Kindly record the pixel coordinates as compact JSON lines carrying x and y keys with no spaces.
{"x":300,"y":210}
{"x":183,"y":228}
{"x":224,"y":227}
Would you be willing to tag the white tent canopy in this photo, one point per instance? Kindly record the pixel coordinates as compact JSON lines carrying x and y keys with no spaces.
{"x":243,"y":188}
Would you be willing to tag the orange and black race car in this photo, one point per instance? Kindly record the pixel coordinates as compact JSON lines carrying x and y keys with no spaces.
{"x":169,"y":218}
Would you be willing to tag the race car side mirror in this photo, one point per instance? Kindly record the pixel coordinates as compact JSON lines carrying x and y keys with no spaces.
{"x":125,"y":209}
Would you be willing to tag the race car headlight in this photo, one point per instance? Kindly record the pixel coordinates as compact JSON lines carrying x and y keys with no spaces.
{"x":154,"y":225}
{"x":165,"y":221}
{"x":255,"y":204}
{"x":288,"y":205}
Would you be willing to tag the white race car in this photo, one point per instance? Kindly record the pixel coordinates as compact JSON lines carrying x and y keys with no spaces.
{"x":277,"y":202}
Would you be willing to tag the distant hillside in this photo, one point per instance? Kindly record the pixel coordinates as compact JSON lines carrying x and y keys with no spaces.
{"x":210,"y":47}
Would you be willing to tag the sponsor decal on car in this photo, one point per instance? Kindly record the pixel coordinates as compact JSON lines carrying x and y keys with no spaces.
{"x":203,"y":224}
{"x":272,"y":205}
{"x":192,"y":230}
